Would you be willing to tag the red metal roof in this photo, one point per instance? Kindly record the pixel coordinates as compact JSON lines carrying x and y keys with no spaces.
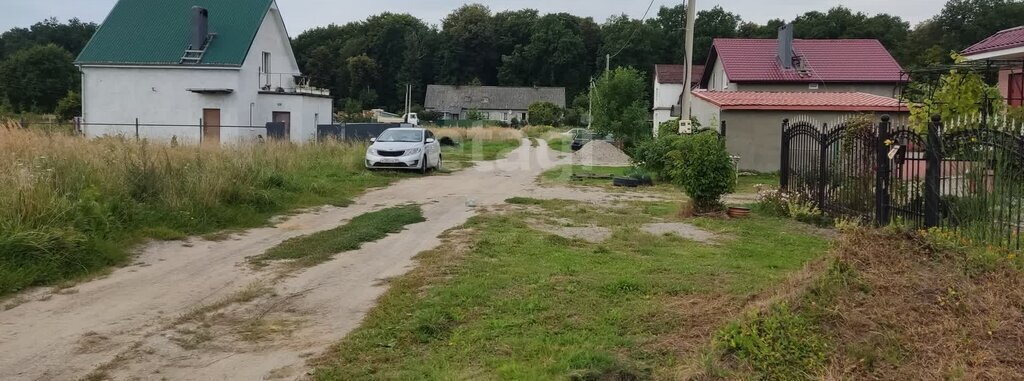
{"x":799,"y":101}
{"x":1006,"y":39}
{"x":674,"y":73}
{"x":827,"y":61}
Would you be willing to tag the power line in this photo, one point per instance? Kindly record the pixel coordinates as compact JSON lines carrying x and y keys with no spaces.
{"x":635,"y":30}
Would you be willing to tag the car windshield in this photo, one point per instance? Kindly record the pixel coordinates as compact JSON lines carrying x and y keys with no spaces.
{"x":403,"y":136}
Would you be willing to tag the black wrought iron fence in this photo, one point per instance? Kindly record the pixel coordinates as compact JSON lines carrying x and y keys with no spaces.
{"x":969,"y":178}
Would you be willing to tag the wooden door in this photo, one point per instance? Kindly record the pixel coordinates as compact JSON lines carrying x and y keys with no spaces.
{"x":211,"y":126}
{"x":286,"y":118}
{"x":1015,"y":97}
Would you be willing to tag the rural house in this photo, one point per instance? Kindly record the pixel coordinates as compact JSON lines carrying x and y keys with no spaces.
{"x":668,"y":89}
{"x":1005,"y":50}
{"x":753,"y":119}
{"x":491,"y":102}
{"x":787,"y":64}
{"x":197,"y":70}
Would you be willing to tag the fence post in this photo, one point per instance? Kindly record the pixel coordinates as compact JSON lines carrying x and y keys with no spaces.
{"x":822,"y":166}
{"x":24,"y":124}
{"x":933,"y":173}
{"x":136,"y":129}
{"x":882,"y":197}
{"x":201,"y":131}
{"x":784,"y":159}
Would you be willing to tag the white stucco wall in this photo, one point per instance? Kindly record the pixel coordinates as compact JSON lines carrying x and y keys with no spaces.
{"x":119,"y":95}
{"x":719,"y":80}
{"x":666,"y":95}
{"x":706,"y":113}
{"x":159,"y":95}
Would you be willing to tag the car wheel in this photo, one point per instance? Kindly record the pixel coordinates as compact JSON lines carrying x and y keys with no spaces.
{"x":440,"y":159}
{"x":423,"y":165}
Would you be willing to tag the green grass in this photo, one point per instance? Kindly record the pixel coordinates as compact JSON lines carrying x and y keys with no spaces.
{"x":316,"y":248}
{"x":746,"y":184}
{"x":562,"y":175}
{"x":560,"y":143}
{"x":520,"y":304}
{"x":471,"y":150}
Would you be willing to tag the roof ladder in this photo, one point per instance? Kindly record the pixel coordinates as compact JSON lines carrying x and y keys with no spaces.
{"x":195,"y":56}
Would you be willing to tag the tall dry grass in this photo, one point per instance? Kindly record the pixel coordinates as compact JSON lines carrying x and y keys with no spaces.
{"x":70,"y":206}
{"x":478,"y":133}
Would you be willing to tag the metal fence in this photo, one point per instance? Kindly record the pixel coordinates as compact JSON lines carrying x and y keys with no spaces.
{"x":967,"y":177}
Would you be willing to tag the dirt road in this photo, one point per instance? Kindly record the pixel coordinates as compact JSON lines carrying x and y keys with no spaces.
{"x":196,"y":310}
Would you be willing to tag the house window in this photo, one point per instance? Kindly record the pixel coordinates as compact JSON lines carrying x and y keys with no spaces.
{"x":1015,"y":96}
{"x":266,"y":66}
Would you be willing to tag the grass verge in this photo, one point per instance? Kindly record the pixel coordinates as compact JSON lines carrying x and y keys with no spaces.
{"x":892,"y":306}
{"x":468,"y":151}
{"x":501,"y":300}
{"x":316,"y":248}
{"x":72,"y":207}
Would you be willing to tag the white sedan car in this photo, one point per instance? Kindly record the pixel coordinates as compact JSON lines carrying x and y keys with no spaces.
{"x":404,"y":148}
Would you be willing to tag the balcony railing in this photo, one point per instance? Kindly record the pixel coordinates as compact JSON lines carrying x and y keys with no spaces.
{"x":289,"y":83}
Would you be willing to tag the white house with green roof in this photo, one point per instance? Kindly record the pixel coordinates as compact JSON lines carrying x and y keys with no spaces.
{"x":216,"y":71}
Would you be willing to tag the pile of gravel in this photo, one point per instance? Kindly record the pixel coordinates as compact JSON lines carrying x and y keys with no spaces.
{"x":600,"y":153}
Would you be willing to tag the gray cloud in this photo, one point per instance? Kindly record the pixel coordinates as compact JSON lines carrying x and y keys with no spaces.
{"x":304,"y":14}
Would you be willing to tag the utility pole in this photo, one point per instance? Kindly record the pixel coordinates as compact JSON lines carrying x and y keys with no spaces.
{"x":408,"y":101}
{"x":684,"y":116}
{"x":590,"y":109}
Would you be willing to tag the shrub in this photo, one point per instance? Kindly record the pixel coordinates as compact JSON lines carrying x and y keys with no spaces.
{"x":653,"y":155}
{"x":545,"y":113}
{"x":70,"y":106}
{"x":668,"y":128}
{"x":701,"y":165}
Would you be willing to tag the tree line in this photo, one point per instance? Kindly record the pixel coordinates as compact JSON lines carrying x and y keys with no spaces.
{"x":367,"y":64}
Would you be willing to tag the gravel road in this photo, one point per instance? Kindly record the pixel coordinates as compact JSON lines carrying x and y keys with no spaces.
{"x":135,"y":323}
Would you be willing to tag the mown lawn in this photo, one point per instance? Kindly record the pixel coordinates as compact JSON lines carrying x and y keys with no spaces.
{"x":502,"y":300}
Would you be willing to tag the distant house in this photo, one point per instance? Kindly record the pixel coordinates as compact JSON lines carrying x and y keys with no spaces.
{"x":210,"y":70}
{"x":493,"y":103}
{"x":668,"y":88}
{"x":753,"y":119}
{"x":1007,"y":45}
{"x":787,"y":64}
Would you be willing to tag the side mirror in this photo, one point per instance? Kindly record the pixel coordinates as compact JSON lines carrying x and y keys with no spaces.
{"x":430,"y":140}
{"x":373,"y":140}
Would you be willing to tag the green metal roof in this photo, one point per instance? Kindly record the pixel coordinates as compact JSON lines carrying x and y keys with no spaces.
{"x":157,"y":32}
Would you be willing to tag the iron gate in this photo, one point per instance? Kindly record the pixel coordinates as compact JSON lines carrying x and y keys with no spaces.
{"x":967,"y":179}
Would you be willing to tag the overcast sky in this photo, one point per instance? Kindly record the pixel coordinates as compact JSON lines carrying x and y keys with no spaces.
{"x":304,"y":14}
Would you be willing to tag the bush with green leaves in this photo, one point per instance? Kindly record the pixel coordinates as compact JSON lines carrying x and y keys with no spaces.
{"x":653,"y":155}
{"x":700,"y":164}
{"x":70,"y":106}
{"x":545,"y":114}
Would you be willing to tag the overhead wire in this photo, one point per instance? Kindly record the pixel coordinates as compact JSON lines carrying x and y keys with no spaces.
{"x":635,"y":30}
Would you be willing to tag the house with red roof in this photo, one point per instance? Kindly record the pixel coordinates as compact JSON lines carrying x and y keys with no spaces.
{"x":1006,"y":46}
{"x":787,"y":64}
{"x":669,"y":84}
{"x":752,"y":120}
